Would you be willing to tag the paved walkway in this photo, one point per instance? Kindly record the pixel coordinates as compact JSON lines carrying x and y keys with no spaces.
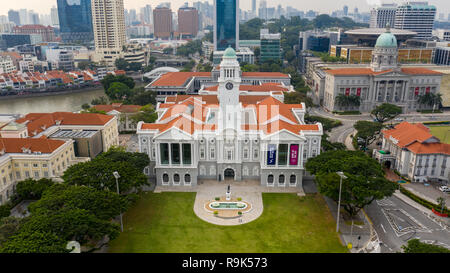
{"x":249,"y":190}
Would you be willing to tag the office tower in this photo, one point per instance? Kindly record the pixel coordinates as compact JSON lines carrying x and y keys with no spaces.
{"x":417,"y":17}
{"x":33,"y":18}
{"x":270,"y":46}
{"x":162,"y":20}
{"x":345,"y":10}
{"x":262,"y":13}
{"x":23,"y":14}
{"x":380,"y":16}
{"x":146,"y":14}
{"x":54,"y":16}
{"x":133,"y":15}
{"x":226,"y":24}
{"x":253,"y":8}
{"x":75,"y":20}
{"x":356,"y":11}
{"x":188,"y":21}
{"x":13,"y":16}
{"x":109,"y":29}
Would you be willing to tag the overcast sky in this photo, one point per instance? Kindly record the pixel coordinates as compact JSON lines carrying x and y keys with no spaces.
{"x":324,"y":6}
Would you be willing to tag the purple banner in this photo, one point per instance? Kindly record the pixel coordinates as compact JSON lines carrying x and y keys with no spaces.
{"x":293,"y":155}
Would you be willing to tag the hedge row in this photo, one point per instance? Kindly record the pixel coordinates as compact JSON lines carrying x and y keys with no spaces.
{"x":423,"y":202}
{"x":436,"y":122}
{"x":327,"y":123}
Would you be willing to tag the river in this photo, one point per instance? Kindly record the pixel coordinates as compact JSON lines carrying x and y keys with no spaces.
{"x":48,"y":103}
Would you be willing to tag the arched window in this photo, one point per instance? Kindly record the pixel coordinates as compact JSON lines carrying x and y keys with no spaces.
{"x":270,"y":179}
{"x":293,"y":179}
{"x":165,"y":178}
{"x":176,"y":178}
{"x":281,"y":179}
{"x":187,"y":178}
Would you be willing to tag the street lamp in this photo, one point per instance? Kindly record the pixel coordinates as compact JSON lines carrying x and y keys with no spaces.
{"x":341,"y":174}
{"x":117,"y":176}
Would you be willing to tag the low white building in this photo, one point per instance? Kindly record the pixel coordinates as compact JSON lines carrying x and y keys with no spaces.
{"x":415,"y":153}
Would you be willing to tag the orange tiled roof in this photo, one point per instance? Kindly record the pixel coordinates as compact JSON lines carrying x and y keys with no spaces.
{"x":420,"y":71}
{"x":407,"y":133}
{"x":353,"y":71}
{"x":178,"y":78}
{"x":43,"y":145}
{"x":39,"y":122}
{"x":429,"y":148}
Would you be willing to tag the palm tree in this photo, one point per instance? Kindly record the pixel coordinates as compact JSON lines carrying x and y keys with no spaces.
{"x":430,"y":99}
{"x":345,"y":101}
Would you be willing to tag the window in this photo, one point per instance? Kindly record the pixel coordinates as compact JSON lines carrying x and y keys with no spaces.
{"x":230,"y":155}
{"x":18,"y":175}
{"x":282,"y":154}
{"x":293,"y":179}
{"x":175,"y":149}
{"x":202,"y":153}
{"x":176,"y":178}
{"x":270,"y":179}
{"x":255,"y":154}
{"x":245,"y":153}
{"x":212,"y":153}
{"x":165,"y":178}
{"x":187,"y":178}
{"x":27,"y":174}
{"x":45,"y":174}
{"x":164,"y":148}
{"x":187,"y":154}
{"x":281,"y":179}
{"x":36,"y":174}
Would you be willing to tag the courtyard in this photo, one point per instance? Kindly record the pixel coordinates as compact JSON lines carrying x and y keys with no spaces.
{"x":166,"y":223}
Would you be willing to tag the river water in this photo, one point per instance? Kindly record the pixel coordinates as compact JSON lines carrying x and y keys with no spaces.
{"x":49,"y":103}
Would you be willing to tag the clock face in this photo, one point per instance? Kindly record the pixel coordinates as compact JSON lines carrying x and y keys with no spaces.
{"x":229,"y":86}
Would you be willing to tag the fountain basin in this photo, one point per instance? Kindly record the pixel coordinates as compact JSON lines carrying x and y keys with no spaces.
{"x":228,"y":205}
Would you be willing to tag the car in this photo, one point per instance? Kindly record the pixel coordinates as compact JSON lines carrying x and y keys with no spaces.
{"x":398,"y":119}
{"x":444,"y":189}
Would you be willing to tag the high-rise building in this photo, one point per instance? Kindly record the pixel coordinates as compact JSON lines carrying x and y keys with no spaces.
{"x":188,"y":21}
{"x":226,"y":24}
{"x":417,"y":17}
{"x":13,"y":16}
{"x":270,"y":46}
{"x":33,"y":18}
{"x":262,"y":12}
{"x":345,"y":10}
{"x":24,"y":19}
{"x":109,"y":30}
{"x":54,"y":16}
{"x":146,"y":14}
{"x":382,"y":15}
{"x":163,"y":25}
{"x":75,"y":20}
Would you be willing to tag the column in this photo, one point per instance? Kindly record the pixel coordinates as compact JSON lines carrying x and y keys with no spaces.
{"x":386,"y":83}
{"x":395,"y":90}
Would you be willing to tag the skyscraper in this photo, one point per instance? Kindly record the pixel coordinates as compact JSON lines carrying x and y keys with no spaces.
{"x":146,"y":14}
{"x":13,"y":16}
{"x":417,"y":17}
{"x":345,"y":10}
{"x":108,"y":21}
{"x":226,"y":24}
{"x":380,"y":16}
{"x":163,"y":25}
{"x":54,"y":16}
{"x":188,"y":21}
{"x":75,"y":20}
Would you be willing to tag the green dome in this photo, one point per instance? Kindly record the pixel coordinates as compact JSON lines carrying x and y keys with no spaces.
{"x":386,"y":39}
{"x":229,"y":53}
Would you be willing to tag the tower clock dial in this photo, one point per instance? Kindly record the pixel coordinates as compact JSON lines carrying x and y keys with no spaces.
{"x":229,"y":86}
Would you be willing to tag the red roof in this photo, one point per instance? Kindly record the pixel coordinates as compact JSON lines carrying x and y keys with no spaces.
{"x":16,"y":145}
{"x":178,"y":78}
{"x":122,"y":108}
{"x":39,"y":122}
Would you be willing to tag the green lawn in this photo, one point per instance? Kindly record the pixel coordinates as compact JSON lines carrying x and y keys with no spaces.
{"x":166,"y":223}
{"x":441,"y":132}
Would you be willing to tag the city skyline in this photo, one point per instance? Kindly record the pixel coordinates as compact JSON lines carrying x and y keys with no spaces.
{"x":44,"y":6}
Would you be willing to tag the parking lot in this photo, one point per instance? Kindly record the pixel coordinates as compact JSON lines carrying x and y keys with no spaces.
{"x":428,"y":191}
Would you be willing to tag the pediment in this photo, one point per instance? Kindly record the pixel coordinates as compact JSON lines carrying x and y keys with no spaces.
{"x":174,"y":133}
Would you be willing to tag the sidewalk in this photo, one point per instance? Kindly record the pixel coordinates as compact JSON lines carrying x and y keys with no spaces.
{"x":364,"y":232}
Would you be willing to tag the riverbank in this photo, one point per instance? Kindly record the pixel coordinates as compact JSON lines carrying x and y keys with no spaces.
{"x":51,"y":93}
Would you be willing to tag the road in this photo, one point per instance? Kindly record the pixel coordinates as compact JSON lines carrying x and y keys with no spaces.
{"x":397,"y":222}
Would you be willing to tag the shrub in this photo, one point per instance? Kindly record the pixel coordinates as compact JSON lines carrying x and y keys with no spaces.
{"x":423,"y":202}
{"x":217,"y":198}
{"x":239,"y":199}
{"x":327,"y":123}
{"x":5,"y":210}
{"x":216,"y":212}
{"x":239,"y":212}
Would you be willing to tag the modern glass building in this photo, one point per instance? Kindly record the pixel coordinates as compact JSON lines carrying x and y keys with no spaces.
{"x":75,"y":20}
{"x":226,"y":25}
{"x":270,"y":46}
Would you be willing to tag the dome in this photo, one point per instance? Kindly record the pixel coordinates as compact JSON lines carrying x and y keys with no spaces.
{"x":386,"y":39}
{"x":229,"y":53}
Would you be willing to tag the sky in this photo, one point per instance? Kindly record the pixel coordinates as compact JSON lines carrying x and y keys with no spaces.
{"x":323,"y":6}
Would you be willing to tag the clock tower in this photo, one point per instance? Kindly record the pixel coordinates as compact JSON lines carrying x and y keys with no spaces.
{"x":228,"y":91}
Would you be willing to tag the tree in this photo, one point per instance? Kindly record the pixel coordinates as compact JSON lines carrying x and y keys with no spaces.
{"x":386,"y":112}
{"x":365,"y":178}
{"x":8,"y":227}
{"x":348,"y":101}
{"x":416,"y":246}
{"x":34,"y":242}
{"x":147,"y":115}
{"x":98,"y":174}
{"x":118,"y":91}
{"x":441,"y":203}
{"x":102,"y":100}
{"x":119,"y":154}
{"x":368,"y":131}
{"x":85,"y":106}
{"x":142,"y":97}
{"x":430,"y":99}
{"x":31,"y":189}
{"x":109,"y":79}
{"x":121,"y":64}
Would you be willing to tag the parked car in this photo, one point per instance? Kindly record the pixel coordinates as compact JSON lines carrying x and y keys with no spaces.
{"x":444,"y":189}
{"x":398,"y":119}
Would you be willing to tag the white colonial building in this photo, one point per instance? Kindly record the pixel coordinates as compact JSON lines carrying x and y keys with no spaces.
{"x":383,"y":81}
{"x":229,"y":133}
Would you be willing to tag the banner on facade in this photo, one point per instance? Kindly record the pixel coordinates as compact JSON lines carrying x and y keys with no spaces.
{"x":347,"y":91}
{"x":271,"y":154}
{"x":358,"y":92}
{"x":293,"y":155}
{"x":428,"y":90}
{"x":416,"y":92}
